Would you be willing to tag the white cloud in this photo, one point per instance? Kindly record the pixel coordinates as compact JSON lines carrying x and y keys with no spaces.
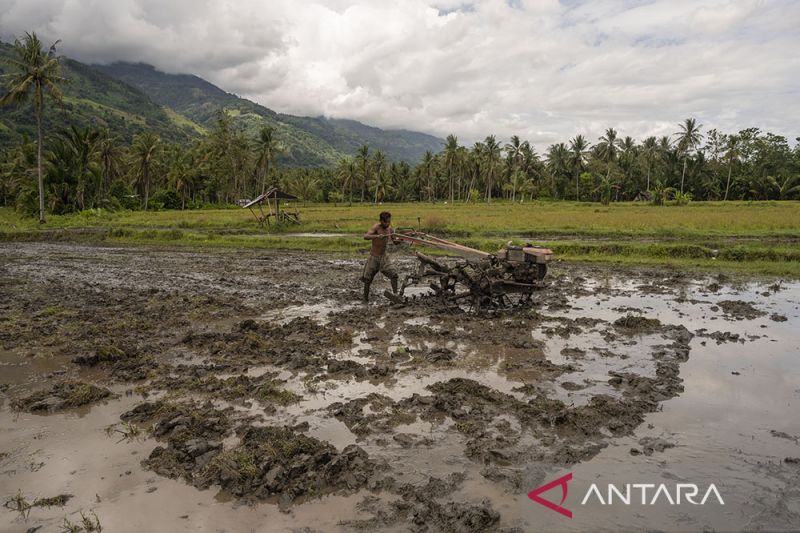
{"x":542,"y":69}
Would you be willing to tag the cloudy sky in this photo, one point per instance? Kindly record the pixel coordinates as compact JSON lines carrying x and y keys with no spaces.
{"x":542,"y":69}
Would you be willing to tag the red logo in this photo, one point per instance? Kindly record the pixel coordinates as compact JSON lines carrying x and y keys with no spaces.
{"x":562,"y":481}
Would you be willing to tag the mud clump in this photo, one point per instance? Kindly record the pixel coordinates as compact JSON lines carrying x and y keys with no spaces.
{"x":720,"y":336}
{"x":634,"y":323}
{"x":346,"y":368}
{"x":107,"y":353}
{"x":455,"y":516}
{"x":62,"y":395}
{"x":740,"y":310}
{"x":420,"y":510}
{"x":384,"y":415}
{"x":296,"y":344}
{"x":654,"y":444}
{"x":573,"y":352}
{"x":572,"y":386}
{"x":193,"y":433}
{"x":235,"y":388}
{"x":440,"y":355}
{"x":267,"y":461}
{"x":279,"y":461}
{"x":125,"y":363}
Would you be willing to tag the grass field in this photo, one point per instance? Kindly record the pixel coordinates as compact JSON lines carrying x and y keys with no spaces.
{"x":759,"y":237}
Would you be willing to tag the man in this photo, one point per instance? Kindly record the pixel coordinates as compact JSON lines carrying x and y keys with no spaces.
{"x":378,"y":260}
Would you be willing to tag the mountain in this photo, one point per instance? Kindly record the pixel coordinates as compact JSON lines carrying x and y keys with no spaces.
{"x":132,"y":98}
{"x":92,"y":98}
{"x":311,"y":140}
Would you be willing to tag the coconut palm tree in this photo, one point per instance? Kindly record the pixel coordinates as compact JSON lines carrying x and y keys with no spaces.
{"x":513,"y":150}
{"x":515,"y":153}
{"x":475,"y":159}
{"x":83,"y":144}
{"x":579,"y":148}
{"x":179,"y":176}
{"x":558,"y":166}
{"x":428,"y":160}
{"x":531,"y":164}
{"x":267,"y":150}
{"x":491,"y":154}
{"x":732,"y":155}
{"x":464,"y":166}
{"x":34,"y":69}
{"x":789,"y":188}
{"x":379,"y":165}
{"x":18,"y":166}
{"x":110,"y":151}
{"x":688,"y":138}
{"x":144,"y":149}
{"x":607,"y":149}
{"x":346,"y":172}
{"x":305,"y":186}
{"x":363,"y":162}
{"x":450,"y":160}
{"x":627,"y":157}
{"x":649,"y":148}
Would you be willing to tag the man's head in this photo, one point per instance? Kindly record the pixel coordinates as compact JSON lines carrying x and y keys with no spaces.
{"x":385,"y":218}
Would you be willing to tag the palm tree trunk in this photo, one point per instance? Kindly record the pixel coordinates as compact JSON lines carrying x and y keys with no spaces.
{"x":39,"y":152}
{"x":728,"y":184}
{"x":146,"y":177}
{"x":577,"y":186}
{"x":363,"y":186}
{"x":683,"y":174}
{"x":264,"y":178}
{"x":648,"y":178}
{"x":469,"y":190}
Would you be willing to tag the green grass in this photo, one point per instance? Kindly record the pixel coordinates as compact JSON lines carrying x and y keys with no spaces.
{"x":184,"y":122}
{"x":757,"y":237}
{"x":699,"y":219}
{"x":97,"y":106}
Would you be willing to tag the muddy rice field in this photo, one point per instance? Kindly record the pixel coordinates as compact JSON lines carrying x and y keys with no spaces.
{"x":153,"y":389}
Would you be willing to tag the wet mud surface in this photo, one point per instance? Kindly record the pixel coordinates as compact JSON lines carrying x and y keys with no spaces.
{"x":216,"y":390}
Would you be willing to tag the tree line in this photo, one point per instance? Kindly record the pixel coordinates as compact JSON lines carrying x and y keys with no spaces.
{"x":83,"y":168}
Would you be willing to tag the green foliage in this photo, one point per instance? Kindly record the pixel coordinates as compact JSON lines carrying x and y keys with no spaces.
{"x":682,"y":198}
{"x":166,"y":199}
{"x":130,"y":137}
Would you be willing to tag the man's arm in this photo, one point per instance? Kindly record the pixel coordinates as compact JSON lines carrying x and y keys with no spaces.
{"x":373,"y":234}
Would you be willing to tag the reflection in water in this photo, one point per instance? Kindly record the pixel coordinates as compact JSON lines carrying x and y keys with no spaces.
{"x":731,"y":426}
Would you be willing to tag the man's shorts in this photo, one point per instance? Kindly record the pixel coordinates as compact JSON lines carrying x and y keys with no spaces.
{"x":377,"y":264}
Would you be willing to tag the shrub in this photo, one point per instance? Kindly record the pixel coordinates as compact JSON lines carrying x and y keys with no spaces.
{"x":168,"y":199}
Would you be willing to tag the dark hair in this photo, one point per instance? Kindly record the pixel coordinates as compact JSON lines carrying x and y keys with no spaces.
{"x":385,"y":216}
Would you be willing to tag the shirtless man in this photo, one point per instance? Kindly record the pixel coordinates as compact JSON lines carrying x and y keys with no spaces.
{"x":378,"y":260}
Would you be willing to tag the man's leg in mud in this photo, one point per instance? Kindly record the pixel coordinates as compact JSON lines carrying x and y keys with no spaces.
{"x":371,"y":268}
{"x":387,"y":269}
{"x":365,"y":297}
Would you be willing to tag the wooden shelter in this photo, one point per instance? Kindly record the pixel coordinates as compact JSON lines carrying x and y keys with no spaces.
{"x":272,"y":198}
